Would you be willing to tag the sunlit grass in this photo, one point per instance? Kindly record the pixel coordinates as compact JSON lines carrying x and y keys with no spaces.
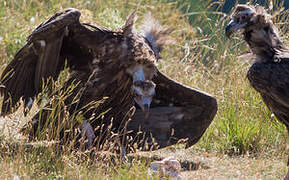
{"x":202,"y":58}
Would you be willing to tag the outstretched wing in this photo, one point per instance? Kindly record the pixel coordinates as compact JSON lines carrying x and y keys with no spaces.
{"x":200,"y":108}
{"x":39,"y":59}
{"x":271,"y":80}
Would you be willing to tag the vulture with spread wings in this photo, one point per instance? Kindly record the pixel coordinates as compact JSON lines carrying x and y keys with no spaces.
{"x":117,"y":68}
{"x":269,"y":75}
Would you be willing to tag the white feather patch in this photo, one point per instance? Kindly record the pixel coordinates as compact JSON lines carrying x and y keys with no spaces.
{"x":149,"y":26}
{"x":42,"y":43}
{"x":247,"y":12}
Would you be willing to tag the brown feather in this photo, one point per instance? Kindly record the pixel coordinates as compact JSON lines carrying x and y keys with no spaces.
{"x":102,"y":65}
{"x":270,"y":73}
{"x":128,"y":27}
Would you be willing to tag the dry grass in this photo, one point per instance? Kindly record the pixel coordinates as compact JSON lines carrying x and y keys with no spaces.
{"x":244,"y":141}
{"x":215,"y":166}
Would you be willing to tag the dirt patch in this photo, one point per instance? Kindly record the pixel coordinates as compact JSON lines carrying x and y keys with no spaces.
{"x":206,"y":166}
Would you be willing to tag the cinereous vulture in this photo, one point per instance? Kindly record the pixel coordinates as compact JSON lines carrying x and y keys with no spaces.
{"x":117,"y":68}
{"x":270,"y":71}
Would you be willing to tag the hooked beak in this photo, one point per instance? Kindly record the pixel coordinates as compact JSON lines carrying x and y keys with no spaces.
{"x":144,"y":103}
{"x":143,"y":89}
{"x":233,"y":27}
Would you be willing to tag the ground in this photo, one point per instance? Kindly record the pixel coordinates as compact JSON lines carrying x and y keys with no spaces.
{"x":219,"y":167}
{"x":195,"y":163}
{"x":244,"y":141}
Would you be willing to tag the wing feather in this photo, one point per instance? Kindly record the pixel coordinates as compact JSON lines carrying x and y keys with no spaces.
{"x":39,"y":59}
{"x":271,"y":80}
{"x":201,"y":106}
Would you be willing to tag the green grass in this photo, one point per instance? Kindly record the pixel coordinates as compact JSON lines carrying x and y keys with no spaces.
{"x":39,"y":161}
{"x":202,"y":58}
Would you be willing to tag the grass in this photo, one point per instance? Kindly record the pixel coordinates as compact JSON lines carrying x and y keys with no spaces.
{"x":202,"y":58}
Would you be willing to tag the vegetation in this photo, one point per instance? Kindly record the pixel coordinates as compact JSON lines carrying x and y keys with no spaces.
{"x":202,"y":58}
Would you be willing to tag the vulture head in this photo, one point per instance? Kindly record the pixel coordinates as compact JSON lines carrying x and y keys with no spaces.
{"x":143,"y":88}
{"x":258,"y":30}
{"x":147,"y":46}
{"x":242,"y":17}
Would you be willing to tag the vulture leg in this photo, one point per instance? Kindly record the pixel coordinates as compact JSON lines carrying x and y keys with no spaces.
{"x":177,"y":113}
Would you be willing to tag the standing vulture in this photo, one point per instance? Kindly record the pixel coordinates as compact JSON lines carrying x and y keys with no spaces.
{"x":269,"y":75}
{"x":117,"y":69}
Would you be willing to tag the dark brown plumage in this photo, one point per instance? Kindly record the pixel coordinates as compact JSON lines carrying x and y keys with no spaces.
{"x":118,"y":65}
{"x":269,"y":75}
